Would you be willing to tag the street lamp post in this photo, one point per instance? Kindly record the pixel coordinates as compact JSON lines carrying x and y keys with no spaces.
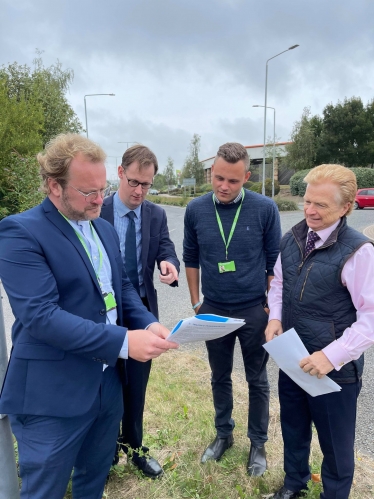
{"x":265,"y":107}
{"x":272,"y":183}
{"x":85,"y":107}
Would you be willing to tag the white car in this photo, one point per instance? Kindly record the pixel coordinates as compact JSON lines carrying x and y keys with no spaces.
{"x":154,"y":192}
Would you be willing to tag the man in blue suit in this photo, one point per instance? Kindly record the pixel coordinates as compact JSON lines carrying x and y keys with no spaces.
{"x":153,"y":245}
{"x":61,"y":267}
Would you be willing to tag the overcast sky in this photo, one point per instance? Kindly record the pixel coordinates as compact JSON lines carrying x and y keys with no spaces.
{"x":195,"y":66}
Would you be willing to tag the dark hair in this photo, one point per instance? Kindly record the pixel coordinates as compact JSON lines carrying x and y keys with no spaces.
{"x":144,"y":156}
{"x":232,"y":152}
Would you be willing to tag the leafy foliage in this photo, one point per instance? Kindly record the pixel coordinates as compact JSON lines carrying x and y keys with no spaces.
{"x":33,"y":110}
{"x":344,"y":135}
{"x":257,"y":187}
{"x":169,"y":173}
{"x":192,"y":167}
{"x":364,"y":177}
{"x":303,"y":150}
{"x":19,"y":190}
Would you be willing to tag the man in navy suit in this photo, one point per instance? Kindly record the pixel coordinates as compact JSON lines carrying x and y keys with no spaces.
{"x":61,"y":267}
{"x":153,"y":245}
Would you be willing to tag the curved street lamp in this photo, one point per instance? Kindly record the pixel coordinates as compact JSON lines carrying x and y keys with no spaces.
{"x":85,"y":107}
{"x":272,"y":183}
{"x":265,"y":107}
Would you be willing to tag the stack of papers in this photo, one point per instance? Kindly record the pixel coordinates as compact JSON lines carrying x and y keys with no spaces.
{"x":203,"y":327}
{"x":287,"y":350}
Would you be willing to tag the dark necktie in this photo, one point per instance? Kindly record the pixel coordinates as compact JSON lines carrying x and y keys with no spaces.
{"x":131,"y":260}
{"x":310,"y":245}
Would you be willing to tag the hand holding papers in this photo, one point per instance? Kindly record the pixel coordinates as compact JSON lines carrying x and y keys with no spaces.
{"x":287,"y":350}
{"x":203,"y":327}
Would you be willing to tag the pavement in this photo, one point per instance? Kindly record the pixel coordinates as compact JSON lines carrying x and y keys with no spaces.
{"x":174,"y":304}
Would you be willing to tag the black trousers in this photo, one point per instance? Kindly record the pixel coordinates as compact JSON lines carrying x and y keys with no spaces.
{"x":334,"y":416}
{"x":134,"y":385}
{"x":221,"y":354}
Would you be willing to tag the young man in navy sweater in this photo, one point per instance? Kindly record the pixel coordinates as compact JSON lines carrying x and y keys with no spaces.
{"x":233,"y":236}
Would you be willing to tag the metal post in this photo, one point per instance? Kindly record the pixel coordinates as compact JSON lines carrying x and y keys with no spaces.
{"x":85,"y":113}
{"x":9,"y":488}
{"x":266,"y":96}
{"x":264,"y":152}
{"x":85,"y":107}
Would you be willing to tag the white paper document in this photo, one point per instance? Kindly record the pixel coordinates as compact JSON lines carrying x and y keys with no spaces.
{"x":203,"y":327}
{"x":287,"y":350}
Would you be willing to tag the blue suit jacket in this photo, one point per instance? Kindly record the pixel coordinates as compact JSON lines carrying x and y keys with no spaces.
{"x":156,"y":244}
{"x":60,"y":339}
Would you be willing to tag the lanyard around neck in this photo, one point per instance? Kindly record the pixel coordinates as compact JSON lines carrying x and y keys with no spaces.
{"x":83,"y":242}
{"x":233,"y":224}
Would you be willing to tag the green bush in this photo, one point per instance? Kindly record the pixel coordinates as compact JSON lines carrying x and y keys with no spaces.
{"x":364,"y":177}
{"x":285,"y":204}
{"x":257,"y":187}
{"x":204,"y":188}
{"x":297,"y":185}
{"x":248,"y":184}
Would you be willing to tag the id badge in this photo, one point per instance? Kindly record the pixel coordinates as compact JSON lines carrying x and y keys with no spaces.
{"x":110,"y":302}
{"x":226,"y":267}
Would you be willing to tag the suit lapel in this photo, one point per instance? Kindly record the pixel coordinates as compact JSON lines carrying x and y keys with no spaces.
{"x":146,"y":229}
{"x":63,"y":225}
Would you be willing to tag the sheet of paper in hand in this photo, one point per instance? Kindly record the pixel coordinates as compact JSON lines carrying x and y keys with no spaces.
{"x":287,"y":350}
{"x":203,"y":327}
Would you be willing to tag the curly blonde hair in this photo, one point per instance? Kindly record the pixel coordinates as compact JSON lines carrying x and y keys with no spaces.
{"x":58,"y":154}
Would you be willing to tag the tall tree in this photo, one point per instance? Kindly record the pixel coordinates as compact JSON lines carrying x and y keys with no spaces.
{"x":302,"y":152}
{"x":33,"y":109}
{"x":193,"y":168}
{"x":48,"y":86}
{"x":348,"y":134}
{"x":169,"y":173}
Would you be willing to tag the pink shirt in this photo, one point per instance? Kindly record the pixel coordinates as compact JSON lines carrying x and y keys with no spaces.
{"x":358,"y":277}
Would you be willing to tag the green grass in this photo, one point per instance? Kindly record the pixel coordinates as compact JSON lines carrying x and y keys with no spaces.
{"x":179,"y":425}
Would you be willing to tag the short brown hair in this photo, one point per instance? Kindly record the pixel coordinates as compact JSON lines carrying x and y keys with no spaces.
{"x":58,"y":154}
{"x":344,"y":178}
{"x":142,"y":155}
{"x":232,"y":152}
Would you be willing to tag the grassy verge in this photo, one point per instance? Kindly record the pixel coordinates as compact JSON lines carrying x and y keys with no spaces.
{"x":178,"y":427}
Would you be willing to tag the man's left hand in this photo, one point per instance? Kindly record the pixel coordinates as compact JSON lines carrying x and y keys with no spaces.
{"x":159,"y":330}
{"x":169,"y":273}
{"x":316,"y":364}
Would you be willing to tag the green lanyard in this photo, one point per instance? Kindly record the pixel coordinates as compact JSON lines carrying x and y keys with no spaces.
{"x":233,"y":224}
{"x":83,"y":242}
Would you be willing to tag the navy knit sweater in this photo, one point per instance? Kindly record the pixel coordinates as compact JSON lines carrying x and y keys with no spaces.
{"x":254,"y":248}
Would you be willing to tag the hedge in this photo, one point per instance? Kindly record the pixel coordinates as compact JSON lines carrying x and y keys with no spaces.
{"x":364,"y":177}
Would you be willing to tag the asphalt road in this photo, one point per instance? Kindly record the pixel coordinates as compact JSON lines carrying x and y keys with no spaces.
{"x":174,"y":304}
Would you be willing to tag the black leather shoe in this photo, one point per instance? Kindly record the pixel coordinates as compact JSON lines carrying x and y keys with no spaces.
{"x":284,"y":493}
{"x":148,"y":465}
{"x":217,"y":448}
{"x":256,"y":465}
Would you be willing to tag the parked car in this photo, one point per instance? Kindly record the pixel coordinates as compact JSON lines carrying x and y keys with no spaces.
{"x":154,"y":192}
{"x":364,"y":198}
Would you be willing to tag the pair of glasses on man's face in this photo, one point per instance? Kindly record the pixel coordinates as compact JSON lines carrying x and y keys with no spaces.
{"x":134,"y":183}
{"x":92,"y":196}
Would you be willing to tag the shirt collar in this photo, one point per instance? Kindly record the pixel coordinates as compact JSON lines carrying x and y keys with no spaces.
{"x":122,"y":209}
{"x":325,"y":233}
{"x":236,"y":200}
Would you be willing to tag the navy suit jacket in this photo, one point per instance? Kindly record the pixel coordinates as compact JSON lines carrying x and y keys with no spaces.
{"x":60,"y":338}
{"x":156,"y":244}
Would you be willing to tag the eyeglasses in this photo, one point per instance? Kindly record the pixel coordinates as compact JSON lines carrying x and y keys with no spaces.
{"x":92,"y":196}
{"x":135,"y":183}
